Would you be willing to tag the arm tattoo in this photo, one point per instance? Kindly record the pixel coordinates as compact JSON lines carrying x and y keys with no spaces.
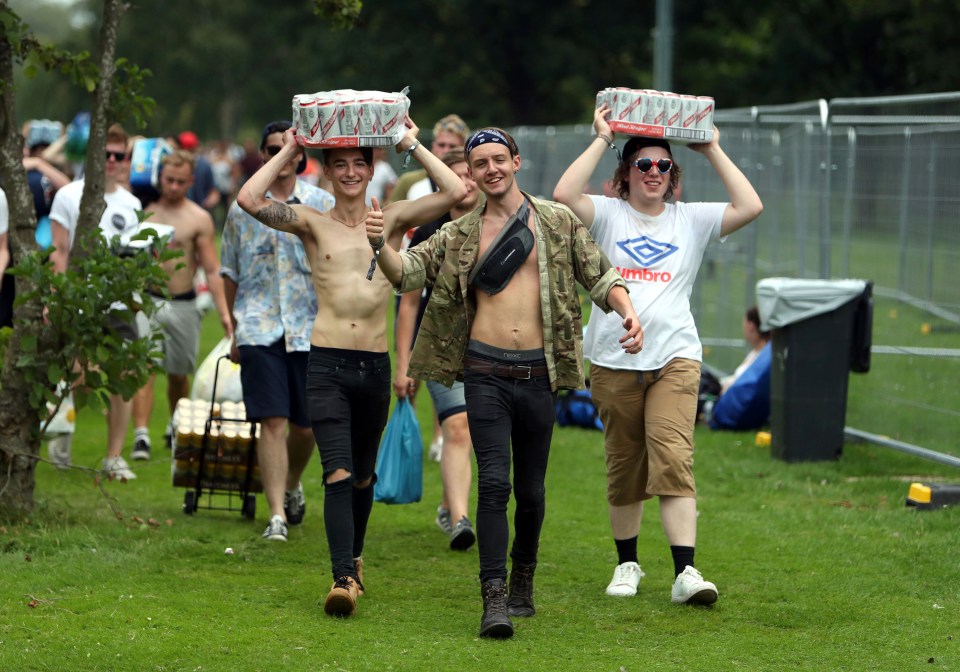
{"x":277,"y":215}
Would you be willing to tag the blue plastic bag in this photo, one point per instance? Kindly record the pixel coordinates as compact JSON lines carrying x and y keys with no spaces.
{"x":400,"y":462}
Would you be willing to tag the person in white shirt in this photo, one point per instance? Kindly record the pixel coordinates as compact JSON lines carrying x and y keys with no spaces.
{"x":120,"y":216}
{"x":648,"y":402}
{"x":756,"y":338}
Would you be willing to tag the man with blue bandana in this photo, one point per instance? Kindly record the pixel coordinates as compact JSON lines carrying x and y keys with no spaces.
{"x":504,"y":317}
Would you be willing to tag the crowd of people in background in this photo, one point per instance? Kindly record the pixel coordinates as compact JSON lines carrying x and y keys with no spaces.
{"x":300,"y":232}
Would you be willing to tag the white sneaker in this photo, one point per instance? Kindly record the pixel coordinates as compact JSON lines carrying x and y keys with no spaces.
{"x":276,"y":529}
{"x":58,"y":450}
{"x":436,"y":449}
{"x":626,"y":578}
{"x":690,"y":588}
{"x":117,"y":467}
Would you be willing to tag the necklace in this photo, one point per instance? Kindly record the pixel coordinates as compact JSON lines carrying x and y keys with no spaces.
{"x":347,"y":224}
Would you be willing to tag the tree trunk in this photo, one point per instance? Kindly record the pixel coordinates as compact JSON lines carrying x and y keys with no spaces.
{"x":19,"y":423}
{"x":92,"y":204}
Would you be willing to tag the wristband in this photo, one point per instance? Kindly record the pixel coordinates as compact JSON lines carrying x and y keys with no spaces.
{"x":377,"y":245}
{"x":406,"y":159}
{"x":608,"y":140}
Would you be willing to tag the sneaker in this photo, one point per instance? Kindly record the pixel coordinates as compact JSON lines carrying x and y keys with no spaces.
{"x":462,"y":537}
{"x":342,"y":598}
{"x":117,"y":467}
{"x":690,"y":588}
{"x":436,"y":449}
{"x":294,"y":505}
{"x":626,"y":578}
{"x":58,"y":450}
{"x":141,"y":449}
{"x":168,"y":436}
{"x":276,"y":530}
{"x":443,"y":520}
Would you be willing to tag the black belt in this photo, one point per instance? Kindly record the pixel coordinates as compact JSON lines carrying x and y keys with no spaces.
{"x":519,"y":371}
{"x":186,"y":296}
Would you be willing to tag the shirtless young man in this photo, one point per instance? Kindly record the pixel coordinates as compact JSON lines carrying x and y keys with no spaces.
{"x":514,"y":340}
{"x":348,"y":378}
{"x":178,"y":318}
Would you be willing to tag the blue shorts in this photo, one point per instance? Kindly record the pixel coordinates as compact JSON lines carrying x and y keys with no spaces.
{"x":447,"y":401}
{"x":274,"y":382}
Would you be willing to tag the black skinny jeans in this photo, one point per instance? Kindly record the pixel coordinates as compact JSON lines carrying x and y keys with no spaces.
{"x":500,"y":410}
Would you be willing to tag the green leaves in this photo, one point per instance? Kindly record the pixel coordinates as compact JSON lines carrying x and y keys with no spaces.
{"x":76,"y":327}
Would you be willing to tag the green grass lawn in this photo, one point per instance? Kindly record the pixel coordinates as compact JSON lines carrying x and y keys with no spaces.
{"x":819,"y":566}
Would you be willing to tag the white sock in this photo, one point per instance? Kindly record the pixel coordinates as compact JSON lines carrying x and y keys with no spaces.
{"x":141,"y":433}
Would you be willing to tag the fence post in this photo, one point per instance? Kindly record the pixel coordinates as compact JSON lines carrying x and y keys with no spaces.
{"x":904,"y":210}
{"x":826,"y":168}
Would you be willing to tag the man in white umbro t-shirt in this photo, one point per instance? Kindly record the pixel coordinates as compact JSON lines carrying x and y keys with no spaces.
{"x":648,"y":401}
{"x":120,"y":216}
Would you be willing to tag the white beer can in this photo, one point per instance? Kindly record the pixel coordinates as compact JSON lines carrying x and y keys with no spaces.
{"x":329,"y":119}
{"x":653,"y":109}
{"x":368,"y":114}
{"x":688,"y":111}
{"x":392,"y":112}
{"x":348,"y":113}
{"x":671,"y":109}
{"x":705,"y":107}
{"x":622,"y":97}
{"x":309,"y":125}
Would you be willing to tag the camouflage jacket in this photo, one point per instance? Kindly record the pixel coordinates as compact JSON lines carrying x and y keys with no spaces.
{"x":565,"y":253}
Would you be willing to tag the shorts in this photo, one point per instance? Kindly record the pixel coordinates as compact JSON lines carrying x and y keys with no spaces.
{"x":648,"y":419}
{"x":179,"y":322}
{"x":274,"y":382}
{"x":447,"y":401}
{"x":349,"y":398}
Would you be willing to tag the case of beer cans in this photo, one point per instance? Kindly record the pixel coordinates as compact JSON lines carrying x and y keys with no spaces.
{"x":215,"y":453}
{"x":348,"y":118}
{"x":659,"y":114}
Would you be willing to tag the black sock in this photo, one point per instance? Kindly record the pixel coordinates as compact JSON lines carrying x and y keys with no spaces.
{"x":362,"y":506}
{"x":338,"y":519}
{"x":682,"y":556}
{"x":626,"y":550}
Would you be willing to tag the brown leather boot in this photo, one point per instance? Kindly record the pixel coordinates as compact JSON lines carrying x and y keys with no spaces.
{"x":342,"y":598}
{"x":520,"y":602}
{"x":495,"y":623}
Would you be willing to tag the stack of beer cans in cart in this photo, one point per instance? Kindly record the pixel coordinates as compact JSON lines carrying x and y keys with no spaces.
{"x":659,"y":114}
{"x":348,"y":118}
{"x":217,"y":437}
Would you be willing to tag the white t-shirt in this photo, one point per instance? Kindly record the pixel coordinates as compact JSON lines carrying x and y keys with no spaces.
{"x":4,"y":213}
{"x":383,"y":175}
{"x":418,"y":189}
{"x":658,"y":258}
{"x":120,"y":215}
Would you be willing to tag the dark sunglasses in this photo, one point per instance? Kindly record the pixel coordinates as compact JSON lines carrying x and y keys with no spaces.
{"x":663,"y":165}
{"x":117,"y":156}
{"x":272,"y":150}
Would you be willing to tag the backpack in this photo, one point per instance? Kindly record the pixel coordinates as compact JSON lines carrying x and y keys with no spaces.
{"x":576,"y":408}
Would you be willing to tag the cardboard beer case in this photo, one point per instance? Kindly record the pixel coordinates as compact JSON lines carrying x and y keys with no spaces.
{"x":659,"y":114}
{"x":348,"y":118}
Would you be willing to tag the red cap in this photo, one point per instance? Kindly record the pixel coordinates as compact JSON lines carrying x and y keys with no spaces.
{"x":188,"y":140}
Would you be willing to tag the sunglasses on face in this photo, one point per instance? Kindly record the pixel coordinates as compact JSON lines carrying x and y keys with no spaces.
{"x":644,"y":165}
{"x":272,"y":150}
{"x":117,"y":156}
